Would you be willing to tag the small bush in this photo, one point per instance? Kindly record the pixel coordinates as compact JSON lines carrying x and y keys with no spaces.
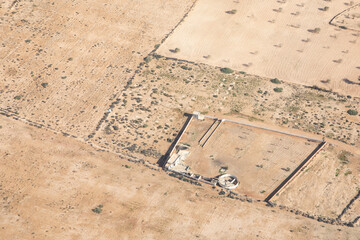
{"x":343,"y":157}
{"x":17,"y":97}
{"x":157,"y":46}
{"x":278,"y":90}
{"x":177,"y":50}
{"x":98,"y":209}
{"x":352,"y":112}
{"x":275,"y":80}
{"x":147,"y":59}
{"x":44,"y":85}
{"x":226,"y":70}
{"x":232,"y":11}
{"x":222,"y":192}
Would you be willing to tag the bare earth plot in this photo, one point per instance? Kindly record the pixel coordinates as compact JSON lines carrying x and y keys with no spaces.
{"x":50,"y":183}
{"x":327,"y":185}
{"x":289,"y":40}
{"x":63,"y":61}
{"x":260,"y":159}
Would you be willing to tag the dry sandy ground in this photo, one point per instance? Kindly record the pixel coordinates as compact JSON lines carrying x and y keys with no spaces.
{"x":273,"y":39}
{"x":349,"y":18}
{"x":330,"y":182}
{"x":50,"y":183}
{"x":85,"y":51}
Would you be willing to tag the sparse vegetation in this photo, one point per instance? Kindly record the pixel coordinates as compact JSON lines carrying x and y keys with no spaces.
{"x":44,"y":85}
{"x":278,"y":90}
{"x":18,"y":97}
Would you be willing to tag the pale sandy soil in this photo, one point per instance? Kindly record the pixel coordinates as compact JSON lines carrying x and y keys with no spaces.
{"x":326,"y":186}
{"x":50,"y":183}
{"x":349,"y":18}
{"x":84,"y":50}
{"x":273,"y":39}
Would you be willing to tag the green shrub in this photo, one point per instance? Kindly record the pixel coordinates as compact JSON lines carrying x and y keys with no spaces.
{"x":17,"y":97}
{"x":177,"y":50}
{"x":147,"y":59}
{"x":275,"y":80}
{"x":44,"y":85}
{"x":222,"y":192}
{"x":352,"y":112}
{"x":278,"y":90}
{"x":98,"y":209}
{"x":226,"y":70}
{"x":232,"y":11}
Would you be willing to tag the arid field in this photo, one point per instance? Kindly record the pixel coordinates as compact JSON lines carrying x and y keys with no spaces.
{"x":289,"y":40}
{"x":63,"y":62}
{"x":95,"y":94}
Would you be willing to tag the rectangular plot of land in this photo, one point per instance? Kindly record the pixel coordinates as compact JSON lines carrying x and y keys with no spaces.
{"x":260,"y":159}
{"x":289,"y":40}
